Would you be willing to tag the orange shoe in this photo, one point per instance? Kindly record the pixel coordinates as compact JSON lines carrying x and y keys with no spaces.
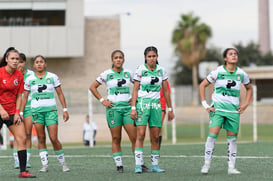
{"x":25,"y":174}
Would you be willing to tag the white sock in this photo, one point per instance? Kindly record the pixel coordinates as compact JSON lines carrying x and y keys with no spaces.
{"x":154,"y":159}
{"x":139,"y":157}
{"x":15,"y":156}
{"x":209,"y":147}
{"x":118,"y":160}
{"x":232,"y":152}
{"x":60,"y":158}
{"x":28,"y":156}
{"x":44,"y":157}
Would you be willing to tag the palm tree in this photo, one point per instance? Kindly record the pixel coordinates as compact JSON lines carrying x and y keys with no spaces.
{"x":190,"y":37}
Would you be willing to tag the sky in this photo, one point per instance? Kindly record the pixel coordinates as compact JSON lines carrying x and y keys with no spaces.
{"x":151,"y":22}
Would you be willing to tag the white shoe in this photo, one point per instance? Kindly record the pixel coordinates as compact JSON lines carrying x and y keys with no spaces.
{"x":65,"y":168}
{"x":44,"y":168}
{"x":206,"y":167}
{"x":233,"y":171}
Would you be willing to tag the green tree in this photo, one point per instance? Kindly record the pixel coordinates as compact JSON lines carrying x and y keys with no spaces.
{"x":183,"y":75}
{"x":190,"y":37}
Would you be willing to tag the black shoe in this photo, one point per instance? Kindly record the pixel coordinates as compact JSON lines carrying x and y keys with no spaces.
{"x":120,"y":169}
{"x":145,"y":169}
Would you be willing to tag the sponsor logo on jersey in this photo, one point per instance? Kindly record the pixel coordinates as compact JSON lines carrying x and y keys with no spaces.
{"x":15,"y":82}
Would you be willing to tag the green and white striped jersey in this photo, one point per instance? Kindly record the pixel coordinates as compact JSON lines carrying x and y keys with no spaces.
{"x":26,"y":75}
{"x":118,"y":86}
{"x":227,"y":85}
{"x":150,"y":81}
{"x":42,"y":92}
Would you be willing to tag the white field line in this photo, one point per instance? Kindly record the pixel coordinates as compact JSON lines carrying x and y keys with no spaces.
{"x":162,"y":156}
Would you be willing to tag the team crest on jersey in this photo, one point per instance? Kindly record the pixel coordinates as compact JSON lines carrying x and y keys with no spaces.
{"x":33,"y":82}
{"x":15,"y":82}
{"x":126,"y":75}
{"x":48,"y":80}
{"x":4,"y":81}
{"x":159,"y":73}
{"x":222,"y":76}
{"x":238,"y":77}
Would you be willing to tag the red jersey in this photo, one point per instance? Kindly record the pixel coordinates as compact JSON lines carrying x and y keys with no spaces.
{"x":10,"y":86}
{"x":162,"y":98}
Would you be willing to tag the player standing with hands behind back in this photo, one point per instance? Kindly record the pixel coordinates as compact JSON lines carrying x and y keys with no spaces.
{"x":225,"y":108}
{"x":146,"y":106}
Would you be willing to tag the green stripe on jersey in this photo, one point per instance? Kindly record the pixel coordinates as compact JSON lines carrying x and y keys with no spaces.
{"x":118,"y":90}
{"x":229,"y":92}
{"x":149,"y":87}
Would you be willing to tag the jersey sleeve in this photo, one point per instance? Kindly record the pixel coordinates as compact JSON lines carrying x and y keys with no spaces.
{"x":26,"y":84}
{"x":137,"y":75}
{"x":56,"y":81}
{"x":102,"y":77}
{"x":131,"y":76}
{"x":165,"y":74}
{"x":246,"y":79}
{"x":212,"y":76}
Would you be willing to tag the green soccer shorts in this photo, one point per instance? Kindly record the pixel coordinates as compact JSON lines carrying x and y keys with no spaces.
{"x":149,"y":111}
{"x":118,"y":117}
{"x":228,"y":121}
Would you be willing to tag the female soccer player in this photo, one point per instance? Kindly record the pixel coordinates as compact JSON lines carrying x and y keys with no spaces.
{"x":11,"y":89}
{"x":146,"y":107}
{"x":225,"y":108}
{"x":41,"y":87}
{"x":117,"y":80}
{"x":27,"y":119}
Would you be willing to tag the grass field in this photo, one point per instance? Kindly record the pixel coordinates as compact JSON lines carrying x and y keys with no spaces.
{"x":181,"y":161}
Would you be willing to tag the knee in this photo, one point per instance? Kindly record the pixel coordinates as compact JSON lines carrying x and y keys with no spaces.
{"x":116,"y":139}
{"x":28,"y":136}
{"x":155,"y":139}
{"x":41,"y":139}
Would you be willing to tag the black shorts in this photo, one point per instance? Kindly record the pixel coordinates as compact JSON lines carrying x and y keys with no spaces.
{"x":7,"y":122}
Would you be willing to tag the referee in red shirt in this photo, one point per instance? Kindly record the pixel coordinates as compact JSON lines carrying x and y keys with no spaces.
{"x":11,"y":88}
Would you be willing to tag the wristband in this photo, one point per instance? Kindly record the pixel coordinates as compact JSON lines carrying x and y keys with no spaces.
{"x":205,"y":104}
{"x":65,"y":109}
{"x":133,"y":107}
{"x":21,"y":113}
{"x":101,"y":100}
{"x":170,"y":109}
{"x":17,"y":111}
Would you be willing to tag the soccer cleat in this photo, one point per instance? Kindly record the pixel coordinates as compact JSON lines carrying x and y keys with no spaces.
{"x":120,"y":169}
{"x":138,"y":169}
{"x":145,"y":169}
{"x":25,"y":174}
{"x":16,"y":165}
{"x":233,"y":171}
{"x":28,"y":165}
{"x":44,"y":168}
{"x":205,"y":169}
{"x":65,"y":168}
{"x":155,"y":168}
